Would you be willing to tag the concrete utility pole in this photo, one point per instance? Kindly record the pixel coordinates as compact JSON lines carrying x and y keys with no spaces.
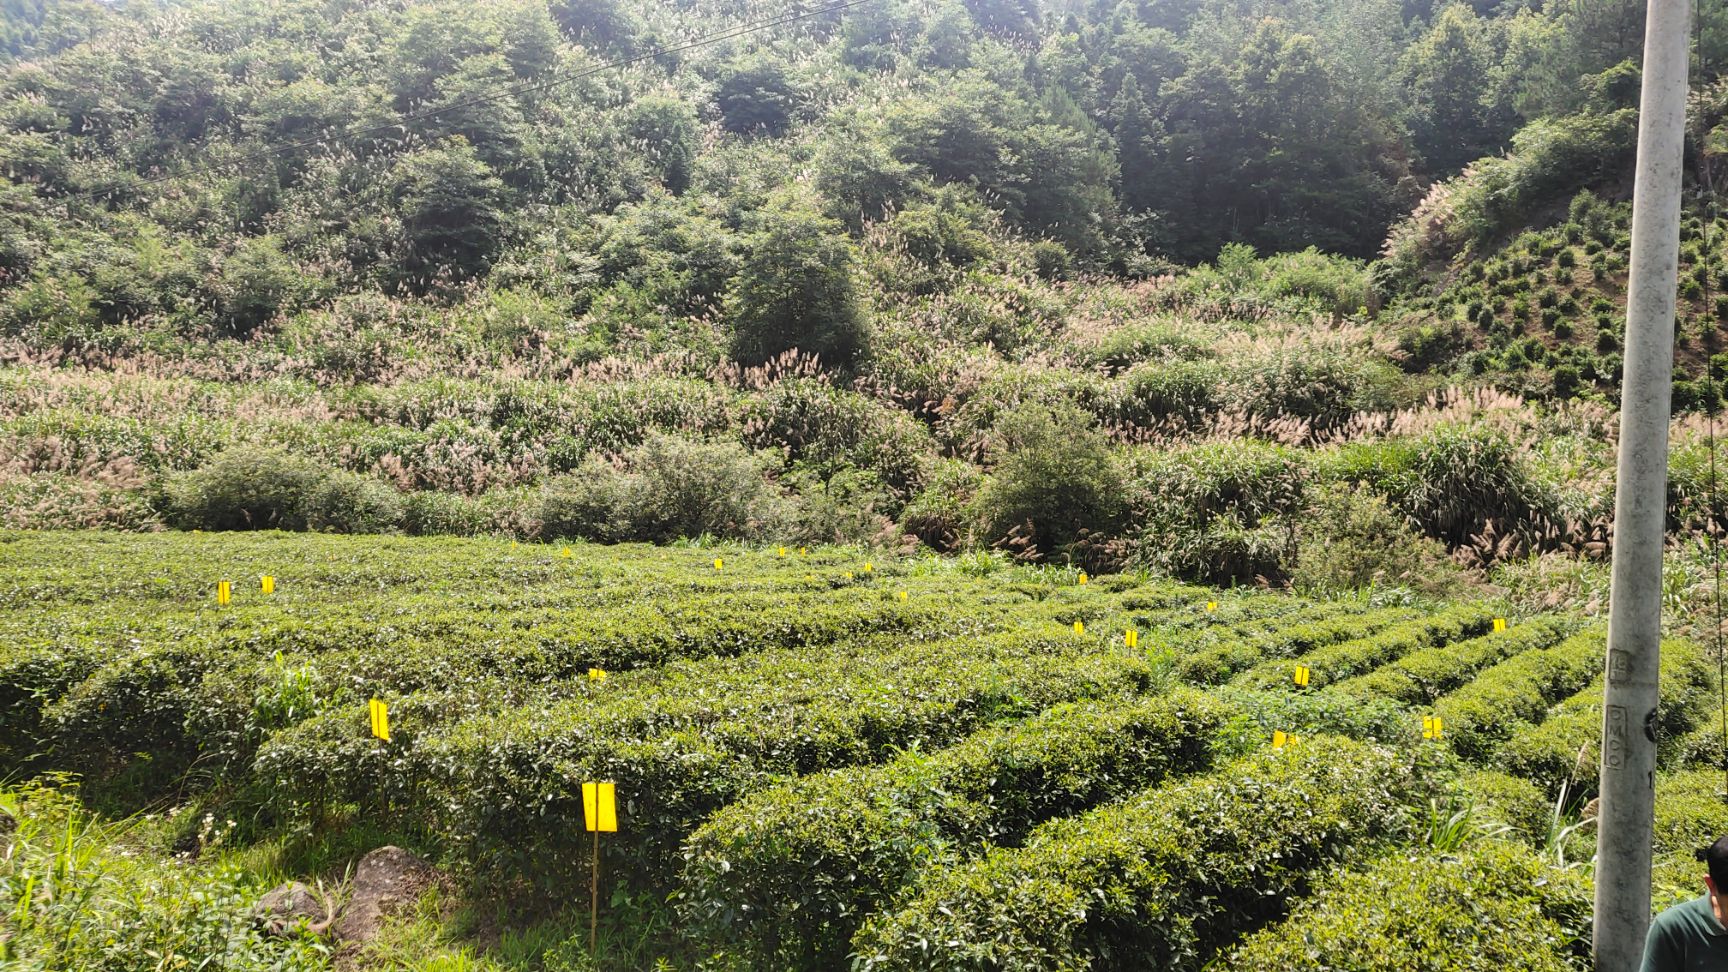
{"x":1626,"y":811}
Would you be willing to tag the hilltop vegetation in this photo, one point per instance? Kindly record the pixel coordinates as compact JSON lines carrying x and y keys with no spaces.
{"x":1088,"y":282}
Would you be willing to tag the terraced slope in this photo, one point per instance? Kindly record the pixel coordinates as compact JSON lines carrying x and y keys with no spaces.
{"x":829,"y":757}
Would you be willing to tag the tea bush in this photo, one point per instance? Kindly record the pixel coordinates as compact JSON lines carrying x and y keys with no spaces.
{"x":1495,"y":907}
{"x":1163,"y":878}
{"x":786,"y":875}
{"x":1483,"y":714}
{"x":1423,"y":676}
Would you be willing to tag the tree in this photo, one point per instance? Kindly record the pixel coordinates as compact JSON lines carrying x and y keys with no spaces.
{"x":1451,"y":118}
{"x":797,"y":287}
{"x":1014,"y":18}
{"x":1263,"y":146}
{"x":664,"y":128}
{"x":756,"y":98}
{"x":1138,"y":137}
{"x":1055,"y":483}
{"x":602,"y":25}
{"x":450,"y":206}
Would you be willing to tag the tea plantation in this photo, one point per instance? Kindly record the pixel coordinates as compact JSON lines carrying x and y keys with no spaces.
{"x":824,"y":759}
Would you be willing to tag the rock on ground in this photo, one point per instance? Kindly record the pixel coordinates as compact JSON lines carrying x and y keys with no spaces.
{"x":288,"y":906}
{"x":386,"y":882}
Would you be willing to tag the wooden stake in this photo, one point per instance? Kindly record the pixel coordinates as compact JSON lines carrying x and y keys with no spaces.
{"x":594,"y":906}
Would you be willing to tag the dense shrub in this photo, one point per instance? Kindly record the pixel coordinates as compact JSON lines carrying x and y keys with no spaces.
{"x":428,"y":513}
{"x":591,"y":503}
{"x":942,"y":514}
{"x":823,"y":426}
{"x":681,"y":487}
{"x":667,"y":488}
{"x":53,"y":501}
{"x":243,"y":489}
{"x":1222,"y":512}
{"x":343,"y":502}
{"x":1453,"y":482}
{"x":1495,"y":908}
{"x":1173,"y":392}
{"x":1353,"y":539}
{"x":1322,"y":386}
{"x":1055,"y":485}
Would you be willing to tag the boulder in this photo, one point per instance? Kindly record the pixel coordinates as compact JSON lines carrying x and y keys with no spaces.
{"x":387,"y":881}
{"x":290,"y":906}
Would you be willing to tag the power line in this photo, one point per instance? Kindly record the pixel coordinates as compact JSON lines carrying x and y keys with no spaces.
{"x":510,"y":92}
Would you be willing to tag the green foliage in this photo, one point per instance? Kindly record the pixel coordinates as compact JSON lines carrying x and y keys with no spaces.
{"x":1055,"y":484}
{"x":1185,"y":867}
{"x":796,"y":289}
{"x":1494,"y":906}
{"x":79,"y":897}
{"x":243,"y":489}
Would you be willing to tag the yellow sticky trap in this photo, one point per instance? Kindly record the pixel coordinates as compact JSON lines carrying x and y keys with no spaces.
{"x":1499,"y":624}
{"x":803,"y":551}
{"x":782,"y":551}
{"x":719,"y":563}
{"x":268,"y":584}
{"x":1432,"y":727}
{"x":1082,"y":578}
{"x":1131,"y":638}
{"x":902,"y":595}
{"x":380,"y":719}
{"x":1211,"y":606}
{"x":1079,"y":627}
{"x":596,"y":674}
{"x":566,"y":553}
{"x":869,"y":567}
{"x":1280,"y":739}
{"x":847,"y":575}
{"x":224,"y":593}
{"x":1302,"y":675}
{"x":600,"y":807}
{"x":512,"y":545}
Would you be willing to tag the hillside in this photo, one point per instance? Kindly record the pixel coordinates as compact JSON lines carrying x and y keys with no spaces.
{"x":886,"y":275}
{"x":1018,"y":475}
{"x":816,"y":755}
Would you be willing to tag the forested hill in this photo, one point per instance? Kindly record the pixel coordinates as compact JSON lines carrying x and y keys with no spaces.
{"x":1123,"y":132}
{"x":507,"y":266}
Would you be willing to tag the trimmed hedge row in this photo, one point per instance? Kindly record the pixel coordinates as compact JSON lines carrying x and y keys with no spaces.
{"x":1340,"y":661}
{"x":1216,"y":664}
{"x":1568,"y":743}
{"x":1423,"y":676}
{"x":1482,"y":715}
{"x":99,"y":702}
{"x":1496,"y":907}
{"x":1161,"y":880}
{"x":685,"y":740}
{"x":784,"y":876}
